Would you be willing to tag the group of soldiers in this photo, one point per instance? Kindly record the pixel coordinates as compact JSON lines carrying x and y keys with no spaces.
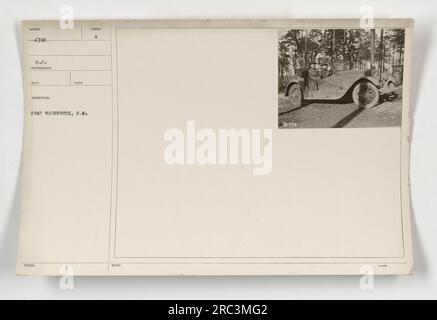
{"x":319,"y":69}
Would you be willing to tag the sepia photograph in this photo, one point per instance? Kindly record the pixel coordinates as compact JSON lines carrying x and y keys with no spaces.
{"x":340,"y":78}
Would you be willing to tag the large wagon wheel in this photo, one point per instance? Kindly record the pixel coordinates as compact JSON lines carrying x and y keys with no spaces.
{"x":365,"y":95}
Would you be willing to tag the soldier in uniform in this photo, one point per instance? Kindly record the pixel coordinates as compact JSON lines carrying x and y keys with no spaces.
{"x":313,"y":76}
{"x":321,"y":58}
{"x":324,"y":73}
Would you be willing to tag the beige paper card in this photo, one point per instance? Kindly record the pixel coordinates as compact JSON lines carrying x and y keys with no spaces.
{"x":223,"y":147}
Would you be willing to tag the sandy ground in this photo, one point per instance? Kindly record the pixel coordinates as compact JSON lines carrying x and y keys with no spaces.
{"x":341,"y":114}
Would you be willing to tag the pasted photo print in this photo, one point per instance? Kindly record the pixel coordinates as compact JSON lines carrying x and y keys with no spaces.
{"x":340,"y":78}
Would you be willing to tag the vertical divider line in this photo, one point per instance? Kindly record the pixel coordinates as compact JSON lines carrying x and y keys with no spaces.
{"x":113,"y":149}
{"x":116,"y":143}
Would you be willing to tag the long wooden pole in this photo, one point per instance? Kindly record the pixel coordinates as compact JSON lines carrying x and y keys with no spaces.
{"x":306,"y":46}
{"x":382,"y":51}
{"x":333,"y":46}
{"x":372,"y":48}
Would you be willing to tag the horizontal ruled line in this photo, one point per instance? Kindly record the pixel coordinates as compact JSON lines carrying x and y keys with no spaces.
{"x":30,"y":40}
{"x":60,"y":70}
{"x":69,"y":55}
{"x":70,"y":85}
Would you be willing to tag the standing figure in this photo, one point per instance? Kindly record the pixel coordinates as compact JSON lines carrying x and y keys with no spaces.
{"x":324,"y":73}
{"x":313,"y":77}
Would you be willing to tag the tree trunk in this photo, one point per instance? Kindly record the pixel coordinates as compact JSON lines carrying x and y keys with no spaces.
{"x":344,"y":48}
{"x":382,"y":51}
{"x":306,"y":47}
{"x":333,"y":46}
{"x":393,"y":55}
{"x":372,"y":48}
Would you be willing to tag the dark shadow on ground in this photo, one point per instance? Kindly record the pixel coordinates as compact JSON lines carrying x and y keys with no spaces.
{"x":343,"y":122}
{"x":310,"y":102}
{"x":294,"y":109}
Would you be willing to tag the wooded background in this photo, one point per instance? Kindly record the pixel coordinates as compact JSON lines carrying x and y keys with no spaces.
{"x":346,"y":49}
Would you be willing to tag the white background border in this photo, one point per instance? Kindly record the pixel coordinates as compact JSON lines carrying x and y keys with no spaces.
{"x":423,"y":163}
